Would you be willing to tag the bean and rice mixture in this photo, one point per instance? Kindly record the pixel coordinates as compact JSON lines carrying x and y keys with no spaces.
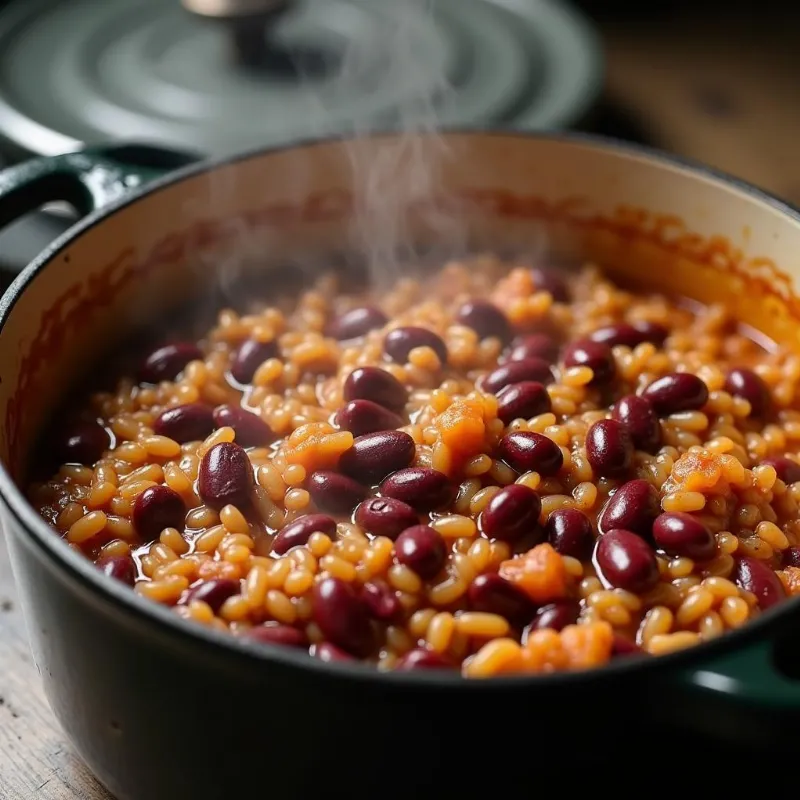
{"x":499,"y":469}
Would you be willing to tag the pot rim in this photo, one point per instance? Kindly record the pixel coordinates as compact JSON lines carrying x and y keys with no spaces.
{"x":144,"y":611}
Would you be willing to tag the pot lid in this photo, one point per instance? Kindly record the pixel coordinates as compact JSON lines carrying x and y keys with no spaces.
{"x":220,"y":76}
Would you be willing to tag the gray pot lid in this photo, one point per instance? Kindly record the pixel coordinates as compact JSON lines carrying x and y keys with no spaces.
{"x":93,"y":71}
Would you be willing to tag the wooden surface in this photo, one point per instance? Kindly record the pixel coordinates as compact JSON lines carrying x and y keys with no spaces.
{"x":723,"y":97}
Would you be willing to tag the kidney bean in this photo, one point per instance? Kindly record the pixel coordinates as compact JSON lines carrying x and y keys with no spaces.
{"x":191,"y":422}
{"x":421,"y":549}
{"x":356,"y":322}
{"x":522,"y":401}
{"x":525,"y":451}
{"x":275,"y":633}
{"x":249,"y":357}
{"x":556,"y":616}
{"x":491,"y":594}
{"x":680,"y":534}
{"x":609,"y":448}
{"x":373,"y":456}
{"x":744,"y":383}
{"x":511,"y":513}
{"x":550,"y":280}
{"x":570,"y":533}
{"x":634,"y":507}
{"x":421,"y":488}
{"x":156,"y":508}
{"x":385,"y":516}
{"x":420,"y":658}
{"x":373,"y":383}
{"x":82,"y":442}
{"x":530,"y":369}
{"x":626,"y":561}
{"x":325,"y":651}
{"x":629,"y":335}
{"x":168,"y":361}
{"x":250,"y":429}
{"x":300,"y":530}
{"x":595,"y":355}
{"x":755,"y":576}
{"x":213,"y":593}
{"x":120,"y":568}
{"x":533,"y":345}
{"x":363,"y":416}
{"x":342,"y":616}
{"x":622,"y":646}
{"x":226,"y":476}
{"x":791,"y":557}
{"x":333,"y":492}
{"x":381,"y":601}
{"x":401,"y":341}
{"x":787,"y":469}
{"x":485,"y":318}
{"x":678,"y":391}
{"x":641,"y":421}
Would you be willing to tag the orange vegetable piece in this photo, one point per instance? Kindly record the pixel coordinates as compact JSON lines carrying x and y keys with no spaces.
{"x":790,"y":578}
{"x":587,"y":645}
{"x":461,"y":426}
{"x":544,"y":652}
{"x":540,"y":573}
{"x":696,"y":472}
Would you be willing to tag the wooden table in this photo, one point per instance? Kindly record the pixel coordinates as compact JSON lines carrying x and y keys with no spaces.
{"x":727,"y":98}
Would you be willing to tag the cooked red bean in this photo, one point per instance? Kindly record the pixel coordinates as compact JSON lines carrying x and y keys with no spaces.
{"x":529,"y":369}
{"x":385,"y":516}
{"x":421,"y":549}
{"x":373,"y":456}
{"x":335,"y":493}
{"x":363,"y":416}
{"x":522,"y":401}
{"x":356,"y":322}
{"x":791,"y":557}
{"x":213,"y":593}
{"x":381,"y":600}
{"x":250,"y":429}
{"x":342,"y":616}
{"x":744,"y":383}
{"x":609,"y":448}
{"x":401,"y":341}
{"x":533,"y":345}
{"x":556,"y":616}
{"x":82,"y":442}
{"x":678,"y":391}
{"x":753,"y":575}
{"x":526,"y":451}
{"x":249,"y":357}
{"x":787,"y":469}
{"x":156,"y":508}
{"x":634,"y":507}
{"x":570,"y":533}
{"x":191,"y":422}
{"x":626,"y":561}
{"x":485,"y":318}
{"x":491,"y":594}
{"x":120,"y":568}
{"x":421,"y":488}
{"x":226,"y":476}
{"x":168,"y":361}
{"x":622,"y":647}
{"x":511,"y":514}
{"x":420,"y":658}
{"x":552,"y":281}
{"x":641,"y":421}
{"x":595,"y":355}
{"x":325,"y":651}
{"x":629,"y":335}
{"x":300,"y":531}
{"x":680,"y":534}
{"x":373,"y":383}
{"x":276,"y":633}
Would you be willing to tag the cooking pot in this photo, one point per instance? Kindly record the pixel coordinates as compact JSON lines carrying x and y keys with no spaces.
{"x":162,"y":709}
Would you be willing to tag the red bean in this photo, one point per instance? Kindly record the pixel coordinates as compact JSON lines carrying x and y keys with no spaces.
{"x":522,"y":401}
{"x":621,"y":647}
{"x":213,"y":593}
{"x":787,"y":469}
{"x":191,"y":422}
{"x":609,"y":448}
{"x":485,"y":318}
{"x":342,"y":616}
{"x":550,"y":280}
{"x":570,"y":533}
{"x":373,"y":383}
{"x":744,"y":383}
{"x":272,"y":633}
{"x":628,"y":335}
{"x":634,"y":507}
{"x":300,"y":530}
{"x":168,"y":361}
{"x":755,"y":576}
{"x":556,"y":616}
{"x":82,"y":442}
{"x":511,"y":513}
{"x":595,"y":355}
{"x":678,"y":391}
{"x":401,"y":341}
{"x":421,"y":549}
{"x":525,"y":451}
{"x":335,"y":493}
{"x":325,"y":651}
{"x":250,"y":429}
{"x":226,"y":476}
{"x":356,"y":322}
{"x":421,"y":488}
{"x":156,"y":508}
{"x":641,"y":421}
{"x":120,"y":568}
{"x":420,"y":658}
{"x":530,"y":369}
{"x":249,"y":357}
{"x":791,"y":557}
{"x":363,"y":416}
{"x":385,"y":516}
{"x":491,"y":594}
{"x":680,"y":534}
{"x":381,"y":600}
{"x":533,"y":345}
{"x":626,"y":561}
{"x":373,"y":456}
